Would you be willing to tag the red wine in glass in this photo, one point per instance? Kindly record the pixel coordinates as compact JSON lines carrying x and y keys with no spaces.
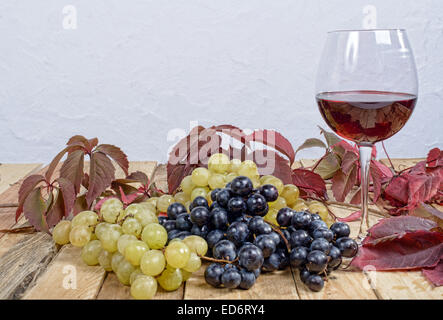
{"x":364,"y":115}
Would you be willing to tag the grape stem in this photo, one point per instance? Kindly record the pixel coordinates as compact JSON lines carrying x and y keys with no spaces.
{"x":217,"y":260}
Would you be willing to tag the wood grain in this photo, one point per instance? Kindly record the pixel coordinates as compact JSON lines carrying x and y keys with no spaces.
{"x":11,"y":173}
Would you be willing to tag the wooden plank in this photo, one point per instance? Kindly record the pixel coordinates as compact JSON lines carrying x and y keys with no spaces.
{"x":275,"y":285}
{"x":68,"y":277}
{"x":23,"y":263}
{"x":89,"y":279}
{"x":11,"y":173}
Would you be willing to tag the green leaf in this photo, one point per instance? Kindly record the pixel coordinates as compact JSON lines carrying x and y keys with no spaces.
{"x":72,"y":168}
{"x":331,"y":138}
{"x":311,"y":143}
{"x":116,"y":154}
{"x":101,"y":174}
{"x":328,"y":166}
{"x":34,"y":210}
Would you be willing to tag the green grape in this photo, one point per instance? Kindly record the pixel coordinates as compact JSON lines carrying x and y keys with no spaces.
{"x":111,"y":209}
{"x":170,"y":279}
{"x":196,"y":244}
{"x":216,"y":180}
{"x":271,"y":216}
{"x":181,"y":197}
{"x":117,"y":257}
{"x":85,"y":218}
{"x":177,"y":254}
{"x":185,"y":275}
{"x":123,"y":242}
{"x":235,"y":165}
{"x":93,"y":236}
{"x":100,"y":228}
{"x":187,"y":185}
{"x":60,"y":233}
{"x":255,"y":182}
{"x":230,"y":176}
{"x":134,"y":275}
{"x":124,"y":270}
{"x":219,"y":163}
{"x":319,"y":208}
{"x":194,"y":263}
{"x":109,"y":238}
{"x":144,"y":288}
{"x":276,"y":182}
{"x":79,"y":236}
{"x":105,"y":260}
{"x":200,"y":177}
{"x":146,"y":217}
{"x":153,"y":201}
{"x":134,"y":251}
{"x":199,"y":192}
{"x":153,"y":262}
{"x":151,"y":206}
{"x":264,"y":178}
{"x":290,"y":193}
{"x":164,"y":201}
{"x":248,"y":168}
{"x":278,"y":204}
{"x":132,"y":226}
{"x":91,"y":251}
{"x":155,"y":236}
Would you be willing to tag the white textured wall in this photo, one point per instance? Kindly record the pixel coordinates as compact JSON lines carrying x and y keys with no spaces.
{"x":133,"y":70}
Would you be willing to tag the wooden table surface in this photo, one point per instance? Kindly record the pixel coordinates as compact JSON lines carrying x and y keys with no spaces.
{"x":31,"y":267}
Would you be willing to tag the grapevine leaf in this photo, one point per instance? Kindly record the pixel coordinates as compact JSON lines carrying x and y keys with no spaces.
{"x":34,"y":209}
{"x":309,"y":182}
{"x":67,"y":192}
{"x":72,"y":168}
{"x":354,"y":216}
{"x":273,"y":139}
{"x":232,"y":131}
{"x":411,"y":250}
{"x":271,"y":163}
{"x":435,"y":275}
{"x":26,"y":188}
{"x":55,"y":162}
{"x":331,"y":138}
{"x":80,"y":204}
{"x":116,"y":154}
{"x":101,"y":174}
{"x":311,"y":143}
{"x":356,"y":198}
{"x":342,"y":183}
{"x":57,"y":210}
{"x":328,"y":166}
{"x":434,"y":158}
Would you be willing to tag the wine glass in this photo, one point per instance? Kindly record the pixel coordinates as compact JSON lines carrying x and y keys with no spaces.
{"x":366,"y":90}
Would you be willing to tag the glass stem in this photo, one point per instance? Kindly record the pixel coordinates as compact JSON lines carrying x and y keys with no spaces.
{"x":365,"y":160}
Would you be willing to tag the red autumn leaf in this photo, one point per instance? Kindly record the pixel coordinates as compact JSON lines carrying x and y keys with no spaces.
{"x":181,"y":150}
{"x":386,"y":172}
{"x":138,"y":176}
{"x":55,"y":162}
{"x":127,"y":199}
{"x":376,"y":178}
{"x":34,"y":209}
{"x":100,"y":177}
{"x":342,"y":183}
{"x":356,"y":198}
{"x":99,"y":203}
{"x":309,"y":182}
{"x":434,"y":158}
{"x":25,"y":189}
{"x":398,"y":226}
{"x":232,"y":131}
{"x":412,"y":250}
{"x":435,"y":275}
{"x":354,"y":216}
{"x":275,"y":140}
{"x":72,"y":168}
{"x":80,"y":204}
{"x":57,"y":210}
{"x":68,"y":193}
{"x":349,"y":160}
{"x":116,"y":154}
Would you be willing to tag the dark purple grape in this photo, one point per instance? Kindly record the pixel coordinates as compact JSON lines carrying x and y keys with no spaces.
{"x":200,"y":231}
{"x":258,"y":226}
{"x":214,"y":194}
{"x":300,"y":238}
{"x":257,"y":205}
{"x":213,"y":274}
{"x":272,"y":262}
{"x":315,"y":216}
{"x":237,"y":233}
{"x":169,"y":225}
{"x":183,"y":222}
{"x":301,"y":220}
{"x":213,"y":237}
{"x":250,"y":257}
{"x":247,"y":279}
{"x":323,"y":233}
{"x":162,"y":219}
{"x":231,"y":278}
{"x":315,"y":282}
{"x":199,"y":202}
{"x":321,"y":244}
{"x":241,"y":185}
{"x":334,"y":258}
{"x":304,"y":275}
{"x":284,"y":217}
{"x":224,"y":250}
{"x":316,"y":261}
{"x":236,"y":205}
{"x":348,"y":247}
{"x":266,"y":243}
{"x":269,"y":191}
{"x":200,"y":216}
{"x":313,"y":225}
{"x":223,"y":197}
{"x":175,"y":209}
{"x":340,"y":229}
{"x":218,"y":218}
{"x":298,"y":256}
